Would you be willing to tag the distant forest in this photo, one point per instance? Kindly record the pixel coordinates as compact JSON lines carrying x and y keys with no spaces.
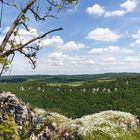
{"x":75,"y":96}
{"x":64,"y":78}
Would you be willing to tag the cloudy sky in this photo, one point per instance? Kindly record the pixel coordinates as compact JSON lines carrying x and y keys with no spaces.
{"x":98,"y":37}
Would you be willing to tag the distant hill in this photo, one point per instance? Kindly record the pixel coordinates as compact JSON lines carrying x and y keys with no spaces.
{"x":64,"y":78}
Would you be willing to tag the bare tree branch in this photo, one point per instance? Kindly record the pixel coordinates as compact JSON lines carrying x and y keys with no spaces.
{"x":30,"y":58}
{"x":7,"y":53}
{"x":1,"y":13}
{"x":42,"y":36}
{"x":7,"y":3}
{"x":52,"y":3}
{"x":13,"y":40}
{"x":38,"y":17}
{"x":15,"y":23}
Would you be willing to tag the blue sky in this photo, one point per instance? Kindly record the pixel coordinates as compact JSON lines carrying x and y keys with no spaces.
{"x":98,"y":37}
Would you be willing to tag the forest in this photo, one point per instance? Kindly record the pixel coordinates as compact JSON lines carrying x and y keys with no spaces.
{"x":75,"y":96}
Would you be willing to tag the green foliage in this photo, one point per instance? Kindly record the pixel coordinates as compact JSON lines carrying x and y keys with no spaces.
{"x":16,"y":6}
{"x":8,"y":129}
{"x":70,"y":1}
{"x":4,"y":61}
{"x":73,"y":101}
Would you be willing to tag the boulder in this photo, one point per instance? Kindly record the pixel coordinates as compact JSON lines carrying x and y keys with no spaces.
{"x":13,"y":106}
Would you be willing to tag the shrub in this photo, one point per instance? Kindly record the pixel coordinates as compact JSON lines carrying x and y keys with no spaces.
{"x":8,"y":128}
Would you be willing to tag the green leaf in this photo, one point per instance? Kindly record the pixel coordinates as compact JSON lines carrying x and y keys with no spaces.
{"x":49,"y":8}
{"x":16,"y":6}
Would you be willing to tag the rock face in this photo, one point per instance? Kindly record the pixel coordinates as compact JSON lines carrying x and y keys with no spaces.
{"x":10,"y":104}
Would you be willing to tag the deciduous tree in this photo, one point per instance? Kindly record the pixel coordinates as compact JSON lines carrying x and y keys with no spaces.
{"x":12,"y":41}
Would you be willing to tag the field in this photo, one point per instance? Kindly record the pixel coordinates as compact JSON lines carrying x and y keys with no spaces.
{"x":72,"y":84}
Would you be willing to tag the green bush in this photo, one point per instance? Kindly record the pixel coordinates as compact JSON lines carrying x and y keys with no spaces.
{"x":8,"y":129}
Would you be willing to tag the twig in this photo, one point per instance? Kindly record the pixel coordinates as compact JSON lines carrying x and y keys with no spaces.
{"x":15,"y":23}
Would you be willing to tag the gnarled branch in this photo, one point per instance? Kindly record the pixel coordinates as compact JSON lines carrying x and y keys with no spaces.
{"x":15,"y":23}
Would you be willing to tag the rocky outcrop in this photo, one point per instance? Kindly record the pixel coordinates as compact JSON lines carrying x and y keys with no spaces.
{"x":13,"y":106}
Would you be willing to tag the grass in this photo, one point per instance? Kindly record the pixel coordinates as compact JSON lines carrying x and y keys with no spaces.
{"x":72,"y":84}
{"x":99,"y":136}
{"x":106,"y":80}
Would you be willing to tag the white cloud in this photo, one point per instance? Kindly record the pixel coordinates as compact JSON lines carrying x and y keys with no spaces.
{"x":111,"y":49}
{"x":115,"y":13}
{"x":55,"y":41}
{"x":33,"y":33}
{"x":131,"y":59}
{"x":136,"y":37}
{"x":58,"y":43}
{"x":129,"y":5}
{"x":57,"y":56}
{"x":58,"y":59}
{"x":125,"y":7}
{"x":109,"y":59}
{"x":103,"y":34}
{"x":72,"y":46}
{"x":59,"y":63}
{"x":96,"y":9}
{"x":22,"y":37}
{"x":89,"y":62}
{"x":61,"y":59}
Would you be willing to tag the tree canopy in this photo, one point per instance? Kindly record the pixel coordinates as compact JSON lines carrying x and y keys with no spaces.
{"x":12,"y":40}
